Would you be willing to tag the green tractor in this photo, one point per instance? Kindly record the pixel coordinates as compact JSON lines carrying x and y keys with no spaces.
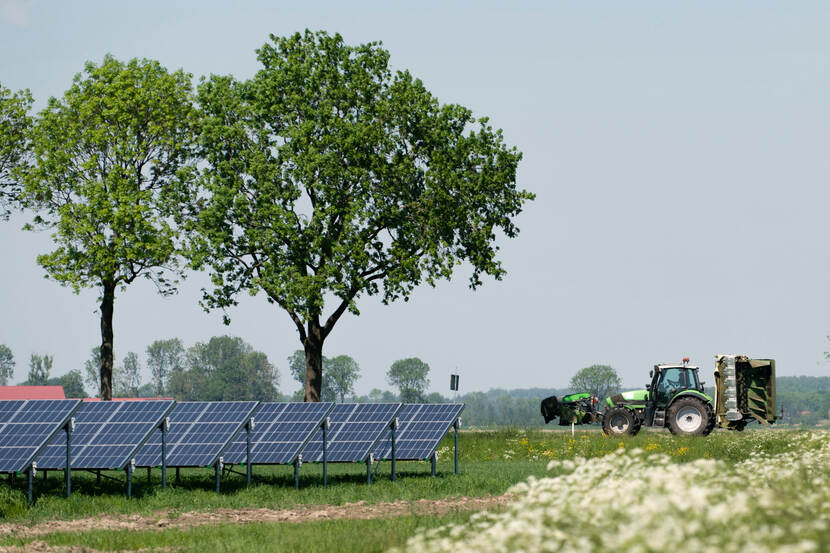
{"x":744,"y":391}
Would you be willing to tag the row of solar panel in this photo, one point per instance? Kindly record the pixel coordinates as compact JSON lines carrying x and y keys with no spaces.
{"x":110,"y":435}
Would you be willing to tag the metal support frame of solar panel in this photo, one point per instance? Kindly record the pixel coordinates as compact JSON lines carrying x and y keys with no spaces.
{"x":421,"y":427}
{"x":26,"y":426}
{"x":281,"y":432}
{"x":200,"y":431}
{"x":354,"y":430}
{"x":108,"y":434}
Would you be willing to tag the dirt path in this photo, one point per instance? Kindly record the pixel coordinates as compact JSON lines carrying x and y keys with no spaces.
{"x":163,"y":520}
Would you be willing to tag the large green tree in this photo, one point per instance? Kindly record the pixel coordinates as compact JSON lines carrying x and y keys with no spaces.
{"x":6,"y":364}
{"x":39,"y":368}
{"x":224,"y":368}
{"x":410,"y":376}
{"x":329,"y":177}
{"x":105,"y":159}
{"x":341,"y":373}
{"x":15,"y":123}
{"x":164,"y":357}
{"x":72,"y":383}
{"x":599,"y":380}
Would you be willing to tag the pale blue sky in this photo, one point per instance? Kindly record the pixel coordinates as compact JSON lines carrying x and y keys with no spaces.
{"x":679,"y":153}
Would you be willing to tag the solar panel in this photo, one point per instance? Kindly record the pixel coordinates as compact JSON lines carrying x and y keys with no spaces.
{"x":421,"y":427}
{"x":280,"y":432}
{"x":107,"y":434}
{"x":199,"y":433}
{"x":354,"y":429}
{"x":26,"y":426}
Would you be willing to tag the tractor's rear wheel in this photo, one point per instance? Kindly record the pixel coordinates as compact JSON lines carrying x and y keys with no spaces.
{"x":620,"y":421}
{"x":690,"y":416}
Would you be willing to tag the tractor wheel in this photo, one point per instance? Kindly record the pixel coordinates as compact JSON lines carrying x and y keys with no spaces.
{"x":620,"y":421}
{"x":689,"y":416}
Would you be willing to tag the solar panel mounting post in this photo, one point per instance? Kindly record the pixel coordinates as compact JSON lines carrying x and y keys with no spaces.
{"x":32,"y":470}
{"x":248,"y":427}
{"x":370,"y":460}
{"x":68,"y":470}
{"x":325,"y":427}
{"x":432,"y":462}
{"x":129,"y":480}
{"x":164,"y":427}
{"x":218,"y":474}
{"x":393,"y":427}
{"x":455,"y":426}
{"x":297,"y":462}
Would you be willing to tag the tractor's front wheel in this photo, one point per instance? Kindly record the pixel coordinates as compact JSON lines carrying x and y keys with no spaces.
{"x":620,"y":421}
{"x":690,"y":416}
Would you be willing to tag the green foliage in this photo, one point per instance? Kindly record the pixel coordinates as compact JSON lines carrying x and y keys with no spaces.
{"x":107,"y":158}
{"x":72,"y":383}
{"x":130,"y":377}
{"x":12,"y":502}
{"x":339,"y":375}
{"x":15,"y":124}
{"x":600,"y":380}
{"x":329,"y":175}
{"x":39,"y":368}
{"x":410,"y":377}
{"x":6,"y":364}
{"x":224,"y":368}
{"x":92,"y":368}
{"x":164,"y":357}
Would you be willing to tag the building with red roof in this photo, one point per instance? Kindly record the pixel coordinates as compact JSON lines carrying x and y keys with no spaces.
{"x":31,"y":392}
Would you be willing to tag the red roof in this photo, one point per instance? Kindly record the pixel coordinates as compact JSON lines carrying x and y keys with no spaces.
{"x":31,"y":392}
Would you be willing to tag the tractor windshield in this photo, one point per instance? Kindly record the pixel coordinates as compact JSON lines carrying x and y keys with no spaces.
{"x":676,"y":378}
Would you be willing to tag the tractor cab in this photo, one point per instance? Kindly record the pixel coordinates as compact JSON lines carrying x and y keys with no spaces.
{"x":669,"y":380}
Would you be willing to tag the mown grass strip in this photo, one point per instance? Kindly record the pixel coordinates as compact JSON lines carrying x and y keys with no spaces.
{"x":343,"y":536}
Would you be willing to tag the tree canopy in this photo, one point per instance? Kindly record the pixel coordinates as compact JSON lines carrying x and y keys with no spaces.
{"x":105,"y":158}
{"x":329,"y":177}
{"x":599,"y":380}
{"x":410,"y":377}
{"x":224,"y":368}
{"x":39,"y":368}
{"x":15,"y":123}
{"x":164,"y":357}
{"x":6,"y":364}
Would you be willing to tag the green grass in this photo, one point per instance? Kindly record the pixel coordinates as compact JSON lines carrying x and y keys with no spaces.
{"x":490,"y":463}
{"x":342,"y":536}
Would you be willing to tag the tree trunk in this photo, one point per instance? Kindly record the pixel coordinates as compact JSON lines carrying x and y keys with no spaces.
{"x":107,"y":305}
{"x":313,"y":345}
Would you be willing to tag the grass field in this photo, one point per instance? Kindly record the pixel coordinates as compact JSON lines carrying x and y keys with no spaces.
{"x":491,"y":463}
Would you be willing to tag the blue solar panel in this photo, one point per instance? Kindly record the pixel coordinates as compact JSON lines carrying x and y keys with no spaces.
{"x":421,"y":427}
{"x":280,"y":432}
{"x":353,"y":432}
{"x":199,"y":433}
{"x":26,"y":426}
{"x":107,"y":434}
